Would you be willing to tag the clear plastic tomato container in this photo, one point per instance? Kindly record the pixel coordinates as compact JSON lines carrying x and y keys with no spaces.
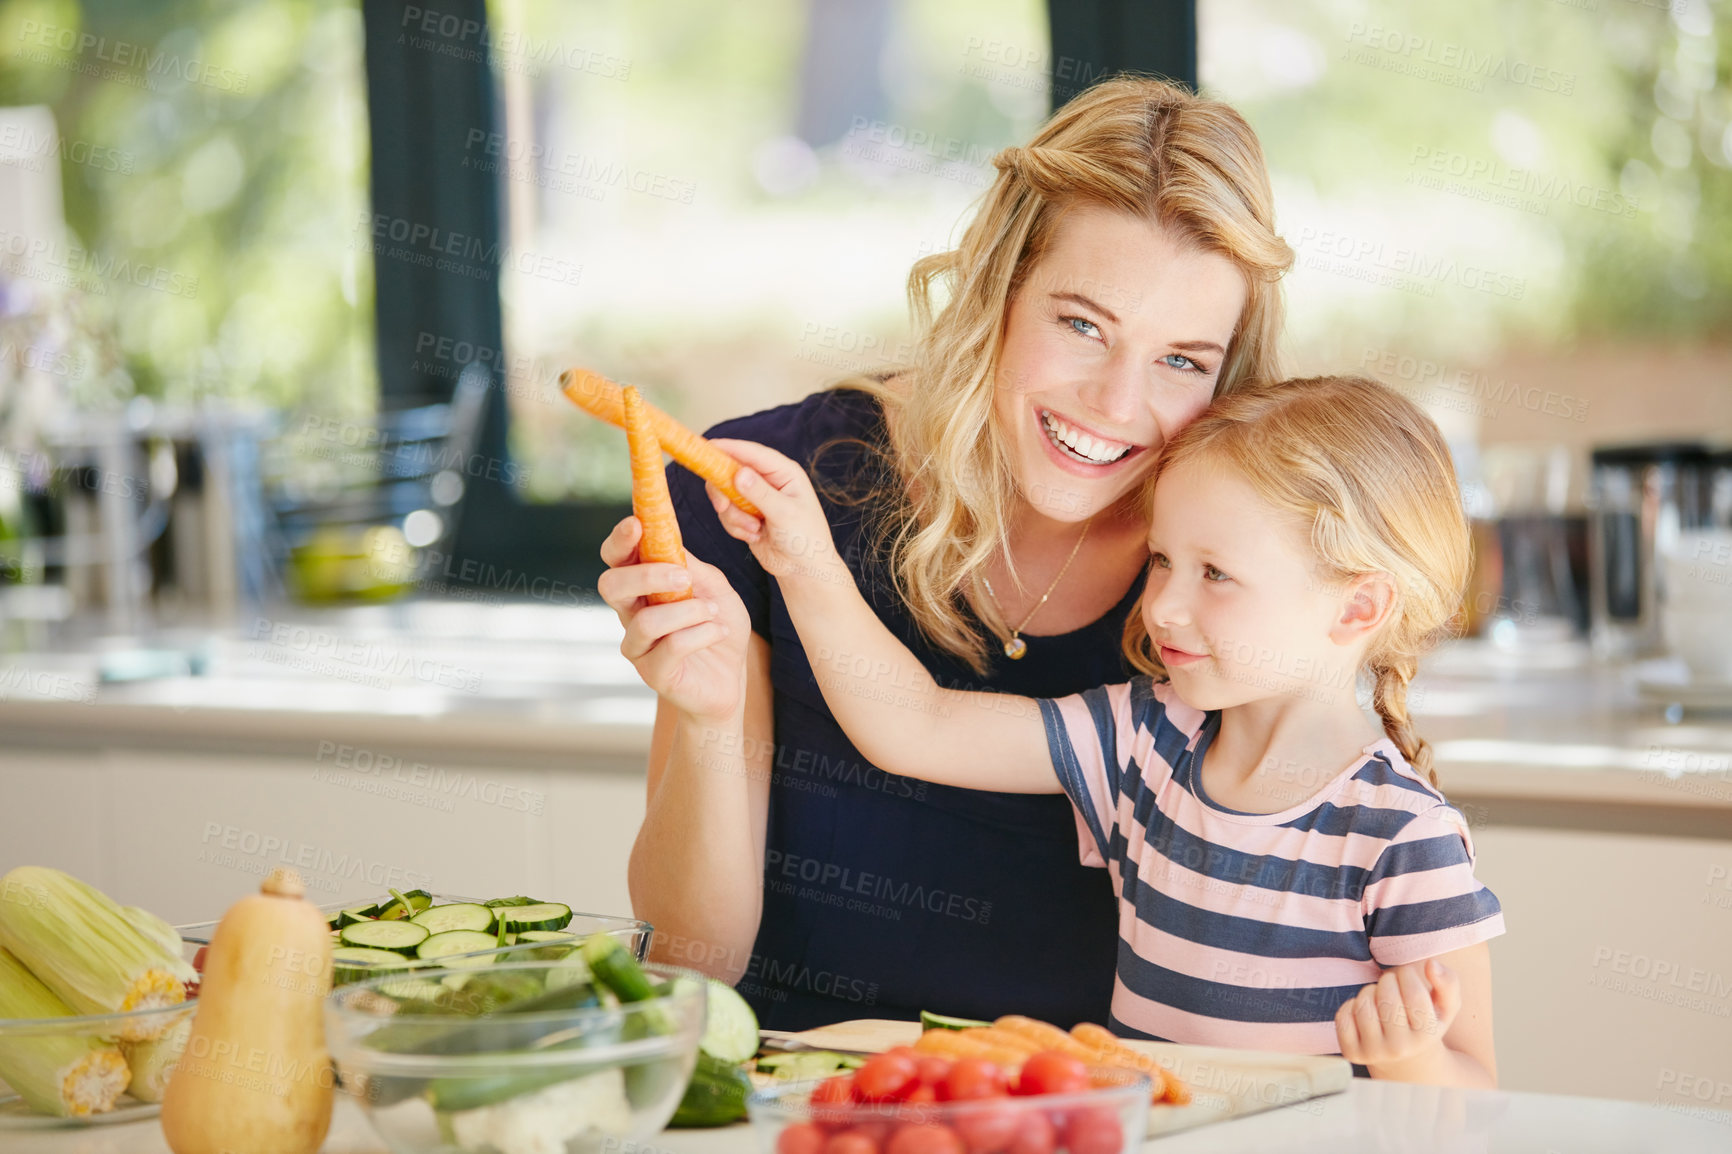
{"x":1108,"y":1118}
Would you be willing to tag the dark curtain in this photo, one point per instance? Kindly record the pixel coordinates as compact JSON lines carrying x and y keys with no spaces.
{"x":1094,"y":39}
{"x":430,"y":89}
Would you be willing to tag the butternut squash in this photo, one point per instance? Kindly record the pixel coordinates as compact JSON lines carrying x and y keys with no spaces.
{"x":256,"y":1076}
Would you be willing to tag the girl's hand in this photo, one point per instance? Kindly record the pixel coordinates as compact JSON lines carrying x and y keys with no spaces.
{"x":1402,"y":1016}
{"x":793,"y":539}
{"x":692,"y":652}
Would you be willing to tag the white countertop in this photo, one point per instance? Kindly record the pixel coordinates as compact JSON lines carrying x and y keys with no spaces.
{"x":547,"y":682}
{"x":1370,"y":1118}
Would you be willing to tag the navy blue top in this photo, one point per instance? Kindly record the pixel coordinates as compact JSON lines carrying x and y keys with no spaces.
{"x":884,"y":895}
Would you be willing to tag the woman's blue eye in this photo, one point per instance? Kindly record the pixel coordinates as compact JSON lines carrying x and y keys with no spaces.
{"x":1085,"y":327}
{"x":1180,"y":361}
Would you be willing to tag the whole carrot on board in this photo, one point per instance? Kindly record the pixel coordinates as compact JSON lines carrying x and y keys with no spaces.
{"x":1110,"y":1051}
{"x":649,"y":494}
{"x":600,"y":397}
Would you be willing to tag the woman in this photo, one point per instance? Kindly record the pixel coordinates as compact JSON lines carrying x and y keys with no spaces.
{"x":1121,"y":272}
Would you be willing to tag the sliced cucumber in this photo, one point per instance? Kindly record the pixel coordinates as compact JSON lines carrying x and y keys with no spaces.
{"x":412,"y":989}
{"x":519,"y":900}
{"x":808,"y":1065}
{"x":457,"y":942}
{"x":931,"y":1021}
{"x":393,"y":910}
{"x":730,"y":1029}
{"x":715,"y":1096}
{"x":544,"y":936}
{"x":358,"y":963}
{"x":356,"y":914}
{"x":541,"y":916}
{"x":458,"y":916}
{"x":611,"y":964}
{"x":401,"y":937}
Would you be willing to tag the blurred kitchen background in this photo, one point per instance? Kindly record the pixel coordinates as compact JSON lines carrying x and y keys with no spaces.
{"x":295,"y":526}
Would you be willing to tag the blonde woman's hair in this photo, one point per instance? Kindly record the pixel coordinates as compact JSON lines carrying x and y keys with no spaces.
{"x":1370,"y":475}
{"x":1141,"y":146}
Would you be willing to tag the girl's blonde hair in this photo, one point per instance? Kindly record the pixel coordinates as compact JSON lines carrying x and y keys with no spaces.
{"x":1138,"y":145}
{"x":1370,"y":475}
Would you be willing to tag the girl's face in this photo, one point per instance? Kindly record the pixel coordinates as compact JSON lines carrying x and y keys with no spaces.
{"x":1113,"y":344}
{"x":1234,"y":603}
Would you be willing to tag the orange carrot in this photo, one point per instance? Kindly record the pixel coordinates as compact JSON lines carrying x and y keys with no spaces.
{"x":1044,"y":1035}
{"x":994,"y":1036}
{"x":649,"y":494}
{"x":960,"y":1044}
{"x":1109,"y":1051}
{"x":600,"y":397}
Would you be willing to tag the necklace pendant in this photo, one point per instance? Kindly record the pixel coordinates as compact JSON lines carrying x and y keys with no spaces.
{"x":1015,"y":648}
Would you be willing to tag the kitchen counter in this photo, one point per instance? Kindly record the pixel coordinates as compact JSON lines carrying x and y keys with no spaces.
{"x":1370,"y":1118}
{"x":535,"y":684}
{"x":501,"y":749}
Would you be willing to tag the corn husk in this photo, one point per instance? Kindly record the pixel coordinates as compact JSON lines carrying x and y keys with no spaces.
{"x":67,"y":1075}
{"x":152,"y":1063}
{"x":158,"y":930}
{"x":76,"y":940}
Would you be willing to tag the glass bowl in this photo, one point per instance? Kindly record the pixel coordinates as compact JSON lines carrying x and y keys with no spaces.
{"x":167,"y":1025}
{"x":633,"y":933}
{"x":440,"y":1064}
{"x":1108,"y":1118}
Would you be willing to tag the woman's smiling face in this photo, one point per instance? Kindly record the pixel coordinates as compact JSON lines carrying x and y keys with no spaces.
{"x":1111,"y":346}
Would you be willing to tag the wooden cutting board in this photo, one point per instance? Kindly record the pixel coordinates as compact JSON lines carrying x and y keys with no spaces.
{"x":1224,"y":1083}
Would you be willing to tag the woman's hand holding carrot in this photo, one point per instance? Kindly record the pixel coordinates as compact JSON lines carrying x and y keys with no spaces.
{"x":685,"y":627}
{"x":691,"y":652}
{"x":650,"y":502}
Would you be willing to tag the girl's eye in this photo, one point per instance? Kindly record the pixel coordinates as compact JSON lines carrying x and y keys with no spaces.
{"x":1160,"y":561}
{"x":1180,"y":361}
{"x":1210,"y":573}
{"x":1085,"y":327}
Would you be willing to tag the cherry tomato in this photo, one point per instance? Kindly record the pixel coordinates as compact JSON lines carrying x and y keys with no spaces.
{"x":837,"y":1090}
{"x":877,"y":1129}
{"x":885,"y":1077}
{"x":932,"y":1069}
{"x":833,"y":1100}
{"x":921,"y":1093}
{"x":1095,"y":1132}
{"x":987,"y":1129}
{"x":800,"y":1138}
{"x":1050,"y":1072}
{"x":850,"y":1141}
{"x":1035,"y":1135}
{"x":972,"y":1078}
{"x":925,"y":1138}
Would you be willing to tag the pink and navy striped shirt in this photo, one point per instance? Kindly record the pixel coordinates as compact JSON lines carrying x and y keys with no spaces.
{"x":1250,"y":930}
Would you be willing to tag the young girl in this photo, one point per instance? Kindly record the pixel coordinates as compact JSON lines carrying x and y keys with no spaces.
{"x":1288,"y":877}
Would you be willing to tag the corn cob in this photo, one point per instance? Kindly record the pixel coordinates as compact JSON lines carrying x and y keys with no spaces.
{"x":67,"y":1075}
{"x":153,"y":1062}
{"x":159,"y":931}
{"x":79,"y":944}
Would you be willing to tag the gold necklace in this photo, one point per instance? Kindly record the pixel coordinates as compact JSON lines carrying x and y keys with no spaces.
{"x":1016,"y":646}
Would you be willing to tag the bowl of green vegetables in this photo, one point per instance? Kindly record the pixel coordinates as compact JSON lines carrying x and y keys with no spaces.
{"x":579,"y":1053}
{"x":406,"y":930}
